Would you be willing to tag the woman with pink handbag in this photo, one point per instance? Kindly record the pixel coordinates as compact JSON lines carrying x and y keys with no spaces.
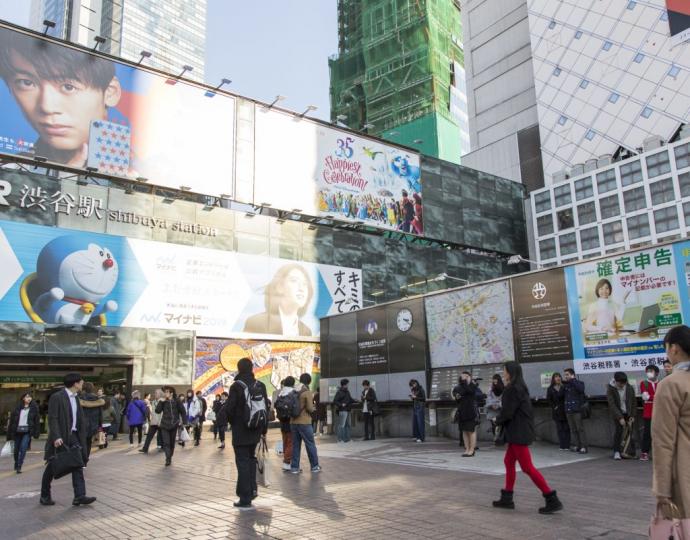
{"x":671,"y":442}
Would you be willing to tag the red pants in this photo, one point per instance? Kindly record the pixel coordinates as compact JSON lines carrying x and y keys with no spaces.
{"x":287,"y":447}
{"x":520,"y":453}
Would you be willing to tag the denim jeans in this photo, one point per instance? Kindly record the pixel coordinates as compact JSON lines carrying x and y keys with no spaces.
{"x":21,"y":443}
{"x":418,"y":422}
{"x":303,"y":432}
{"x":343,"y":426}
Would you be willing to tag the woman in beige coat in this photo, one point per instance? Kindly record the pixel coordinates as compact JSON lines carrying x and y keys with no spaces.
{"x":671,"y":428}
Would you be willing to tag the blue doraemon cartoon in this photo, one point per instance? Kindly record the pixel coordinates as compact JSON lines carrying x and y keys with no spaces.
{"x":72,"y":280}
{"x":400,"y":165}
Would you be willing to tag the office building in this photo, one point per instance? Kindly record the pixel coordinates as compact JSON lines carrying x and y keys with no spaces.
{"x":399,"y":74}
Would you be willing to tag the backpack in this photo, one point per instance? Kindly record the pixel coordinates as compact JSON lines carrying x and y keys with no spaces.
{"x":287,"y":406}
{"x":255,"y":413}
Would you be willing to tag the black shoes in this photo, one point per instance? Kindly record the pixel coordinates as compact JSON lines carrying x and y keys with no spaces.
{"x":506,"y":500}
{"x":47,"y":501}
{"x":83,"y":501}
{"x":18,"y":470}
{"x":242,"y":506}
{"x":144,"y":450}
{"x":553,"y":504}
{"x":167,"y":463}
{"x":196,"y":443}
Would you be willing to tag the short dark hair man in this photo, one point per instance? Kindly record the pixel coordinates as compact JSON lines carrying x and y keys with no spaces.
{"x":302,"y":430}
{"x":244,"y":440}
{"x":343,"y":405}
{"x":575,"y":398}
{"x":622,"y":408}
{"x":668,"y":367}
{"x":66,"y":427}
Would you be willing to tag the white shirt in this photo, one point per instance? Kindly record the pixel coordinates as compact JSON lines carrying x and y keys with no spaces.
{"x":365,"y":405}
{"x":24,"y":417}
{"x":73,"y":403}
{"x":290,"y":325}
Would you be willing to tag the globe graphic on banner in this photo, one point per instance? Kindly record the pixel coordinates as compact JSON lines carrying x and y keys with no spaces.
{"x":539,"y":290}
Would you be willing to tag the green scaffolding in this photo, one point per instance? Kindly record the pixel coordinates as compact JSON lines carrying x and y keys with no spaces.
{"x":395,"y":62}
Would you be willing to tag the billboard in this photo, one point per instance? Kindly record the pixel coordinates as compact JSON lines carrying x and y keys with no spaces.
{"x":540,"y":316}
{"x":215,"y":362}
{"x":61,"y":276}
{"x":621,"y":307}
{"x":328,"y":172}
{"x":470,"y":326}
{"x":81,"y":110}
{"x":372,"y":341}
{"x":678,"y":20}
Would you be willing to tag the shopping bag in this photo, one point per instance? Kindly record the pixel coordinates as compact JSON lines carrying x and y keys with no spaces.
{"x":262,"y":468}
{"x":279,"y":448}
{"x":7,"y":449}
{"x":669,"y":529}
{"x":628,"y":445}
{"x":65,"y":460}
{"x":184,"y":435}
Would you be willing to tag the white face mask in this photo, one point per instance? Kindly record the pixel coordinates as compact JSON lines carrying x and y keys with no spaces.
{"x":651,"y":375}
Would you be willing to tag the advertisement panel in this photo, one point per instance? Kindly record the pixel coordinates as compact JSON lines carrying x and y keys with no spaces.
{"x":61,"y":276}
{"x":470,"y":326}
{"x":372,"y":341}
{"x":540,"y":315}
{"x":328,"y":172}
{"x":678,"y":20}
{"x":81,"y":110}
{"x":215,"y":363}
{"x":620,"y":309}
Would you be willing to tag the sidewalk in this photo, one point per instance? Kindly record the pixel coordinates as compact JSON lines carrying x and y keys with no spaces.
{"x":389,"y":488}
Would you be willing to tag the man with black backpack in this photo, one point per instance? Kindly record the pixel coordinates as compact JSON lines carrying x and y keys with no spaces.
{"x":284,"y":405}
{"x":247,"y":412}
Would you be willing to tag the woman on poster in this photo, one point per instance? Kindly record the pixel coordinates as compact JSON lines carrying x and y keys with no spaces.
{"x":602,"y":315}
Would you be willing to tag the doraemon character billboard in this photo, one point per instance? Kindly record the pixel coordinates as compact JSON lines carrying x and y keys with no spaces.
{"x":330,"y":172}
{"x":59,"y":276}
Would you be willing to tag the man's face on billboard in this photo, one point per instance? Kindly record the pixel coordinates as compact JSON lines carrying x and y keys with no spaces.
{"x":60,"y":110}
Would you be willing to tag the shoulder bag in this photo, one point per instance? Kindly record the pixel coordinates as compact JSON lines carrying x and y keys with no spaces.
{"x":675,"y":528}
{"x":66,"y":460}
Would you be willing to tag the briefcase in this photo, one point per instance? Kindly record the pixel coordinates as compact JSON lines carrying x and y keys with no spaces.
{"x":65,"y":460}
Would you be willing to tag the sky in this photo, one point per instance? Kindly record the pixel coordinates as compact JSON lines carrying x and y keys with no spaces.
{"x":266,"y":47}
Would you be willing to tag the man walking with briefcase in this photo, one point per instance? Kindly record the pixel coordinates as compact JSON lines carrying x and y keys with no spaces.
{"x":66,"y":449}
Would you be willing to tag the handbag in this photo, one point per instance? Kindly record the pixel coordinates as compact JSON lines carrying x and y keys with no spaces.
{"x":262,"y":475}
{"x":100,"y":438}
{"x":7,"y":449}
{"x":66,"y":460}
{"x":184,"y":435}
{"x":586,"y":410}
{"x":675,"y":528}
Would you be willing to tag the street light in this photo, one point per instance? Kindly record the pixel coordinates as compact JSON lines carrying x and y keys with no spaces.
{"x":99,"y":41}
{"x":309,"y":108}
{"x":212,"y":93}
{"x":48,"y":25}
{"x":443,"y":276}
{"x":276,"y":100}
{"x":517,"y":259}
{"x":143,"y":54}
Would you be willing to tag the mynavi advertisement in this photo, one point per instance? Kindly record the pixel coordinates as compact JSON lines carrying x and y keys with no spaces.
{"x":58,"y":276}
{"x":81,"y":110}
{"x":328,"y":172}
{"x":621,"y":308}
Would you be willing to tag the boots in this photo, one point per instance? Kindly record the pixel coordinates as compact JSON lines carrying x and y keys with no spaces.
{"x":506,"y":500}
{"x":553,"y":504}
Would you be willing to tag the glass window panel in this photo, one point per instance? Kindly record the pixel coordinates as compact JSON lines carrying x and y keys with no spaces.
{"x":638,"y":226}
{"x":608,"y":207}
{"x":684,"y":184}
{"x":682,"y":156}
{"x":606,"y":181}
{"x":565,"y":219}
{"x":547,"y":248}
{"x":568,"y":244}
{"x":631,"y":173}
{"x":586,"y":213}
{"x":583,"y":188}
{"x":542,"y":201}
{"x":662,"y":191}
{"x":635,"y":199}
{"x":545,"y":224}
{"x":658,"y":164}
{"x":562,"y":195}
{"x":613,"y":232}
{"x":589,"y":238}
{"x":666,"y":219}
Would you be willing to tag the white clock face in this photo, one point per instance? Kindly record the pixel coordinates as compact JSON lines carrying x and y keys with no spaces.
{"x":404,"y":320}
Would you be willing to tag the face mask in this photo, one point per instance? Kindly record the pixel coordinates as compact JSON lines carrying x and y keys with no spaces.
{"x":651,"y":375}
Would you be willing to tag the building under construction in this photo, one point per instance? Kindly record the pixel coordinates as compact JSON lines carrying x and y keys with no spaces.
{"x":399,"y":73}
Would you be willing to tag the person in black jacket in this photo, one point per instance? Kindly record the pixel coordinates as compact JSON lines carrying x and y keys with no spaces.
{"x":66,"y":427}
{"x":517,"y":422}
{"x":221,"y":423}
{"x":244,"y":439}
{"x":555,"y":395}
{"x":24,"y":424}
{"x":172,"y":412}
{"x":92,"y":406}
{"x":575,"y":399}
{"x":369,"y":410}
{"x":343,"y":405}
{"x":418,"y":397}
{"x":465,"y":396}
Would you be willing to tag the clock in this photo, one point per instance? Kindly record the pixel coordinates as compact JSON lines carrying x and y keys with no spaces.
{"x":404,"y":320}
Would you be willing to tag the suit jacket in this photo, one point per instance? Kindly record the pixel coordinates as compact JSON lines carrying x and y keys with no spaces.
{"x":270,"y":323}
{"x":60,"y":423}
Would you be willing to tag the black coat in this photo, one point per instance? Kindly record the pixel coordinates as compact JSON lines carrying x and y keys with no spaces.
{"x":172,"y":410}
{"x":516,"y":416}
{"x":343,"y":400}
{"x":60,"y":423}
{"x":92,"y":406}
{"x":33,"y":421}
{"x":556,"y":399}
{"x":465,"y":395}
{"x":234,"y":411}
{"x":372,"y":400}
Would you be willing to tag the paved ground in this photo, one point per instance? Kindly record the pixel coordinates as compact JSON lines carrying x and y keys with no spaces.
{"x":391,"y":489}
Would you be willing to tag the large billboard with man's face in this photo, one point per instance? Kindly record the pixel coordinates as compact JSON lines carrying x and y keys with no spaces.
{"x":81,"y":110}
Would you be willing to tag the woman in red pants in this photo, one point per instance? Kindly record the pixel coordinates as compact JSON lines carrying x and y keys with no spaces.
{"x":517,"y":422}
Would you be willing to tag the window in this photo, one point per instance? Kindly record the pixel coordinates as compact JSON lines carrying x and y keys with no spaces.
{"x":545,"y":225}
{"x":562,"y":120}
{"x":547,"y":249}
{"x":634,"y":199}
{"x":606,"y":181}
{"x":557,"y":71}
{"x":608,"y":207}
{"x":589,"y":238}
{"x":658,"y":164}
{"x":662,"y":191}
{"x":673,"y":71}
{"x":542,"y":201}
{"x":614,"y":97}
{"x":568,"y":244}
{"x":682,"y":156}
{"x":686,"y":213}
{"x":562,"y":195}
{"x":583,"y":188}
{"x":607,"y":45}
{"x":684,"y":183}
{"x":589,"y":135}
{"x":552,"y":25}
{"x":578,"y":34}
{"x":664,"y":15}
{"x":638,"y":226}
{"x":638,"y":58}
{"x":586,"y":213}
{"x":646,"y":112}
{"x":631,"y":173}
{"x":631,"y":5}
{"x":565,"y":219}
{"x":584,"y":83}
{"x":613,"y":232}
{"x":665,"y":219}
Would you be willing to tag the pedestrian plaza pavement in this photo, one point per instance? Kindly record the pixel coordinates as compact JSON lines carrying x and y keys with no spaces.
{"x":384,"y":489}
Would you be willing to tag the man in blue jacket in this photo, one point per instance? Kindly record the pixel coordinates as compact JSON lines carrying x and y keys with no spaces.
{"x":574,"y":402}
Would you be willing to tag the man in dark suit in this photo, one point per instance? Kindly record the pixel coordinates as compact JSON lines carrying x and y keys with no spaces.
{"x":66,"y":426}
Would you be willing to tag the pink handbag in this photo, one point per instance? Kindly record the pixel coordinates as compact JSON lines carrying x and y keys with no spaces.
{"x":669,"y":529}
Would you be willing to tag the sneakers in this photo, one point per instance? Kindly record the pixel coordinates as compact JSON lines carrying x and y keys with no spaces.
{"x":583,"y":451}
{"x":418,"y":440}
{"x":242,"y":506}
{"x":222,"y":446}
{"x":286,"y":467}
{"x":316,"y":469}
{"x":644,"y":456}
{"x":295,"y":471}
{"x":617,"y":456}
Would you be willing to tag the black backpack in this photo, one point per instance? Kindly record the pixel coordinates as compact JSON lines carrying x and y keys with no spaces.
{"x":287,"y":406}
